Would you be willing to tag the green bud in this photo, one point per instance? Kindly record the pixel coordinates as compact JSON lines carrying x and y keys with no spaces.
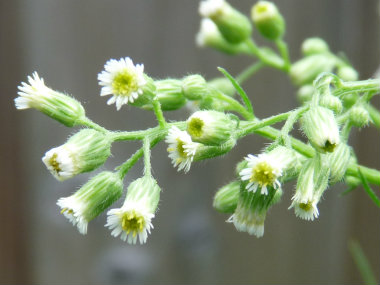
{"x":268,"y":20}
{"x":251,"y":210}
{"x":312,"y":182}
{"x":194,"y":87}
{"x":338,"y":161}
{"x":321,"y":128}
{"x":91,"y":199}
{"x":226,"y":199}
{"x":169,"y":94}
{"x":305,"y":93}
{"x":307,"y":69}
{"x":233,"y":25}
{"x":210,"y":127}
{"x":347,"y":73}
{"x":56,"y":105}
{"x":223,"y":85}
{"x":134,"y":219}
{"x":83,"y":152}
{"x":312,"y":46}
{"x":210,"y":36}
{"x":359,"y":116}
{"x":331,"y":102}
{"x":206,"y":152}
{"x":349,"y":100}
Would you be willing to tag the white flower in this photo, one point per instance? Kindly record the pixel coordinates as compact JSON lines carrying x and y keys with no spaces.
{"x":210,"y":8}
{"x":32,"y":94}
{"x":262,"y":171}
{"x":208,"y":33}
{"x":122,"y":79}
{"x":73,"y":209}
{"x":60,"y":162}
{"x":130,"y":221}
{"x":181,"y":148}
{"x":248,"y":220}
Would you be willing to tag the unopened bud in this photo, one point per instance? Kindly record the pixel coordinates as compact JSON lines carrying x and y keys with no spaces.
{"x":314,"y":46}
{"x":268,"y":20}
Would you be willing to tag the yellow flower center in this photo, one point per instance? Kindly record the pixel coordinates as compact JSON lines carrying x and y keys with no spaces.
{"x":329,"y":147}
{"x":194,"y":127}
{"x":53,"y":162}
{"x":181,"y":149}
{"x":262,"y":173}
{"x":306,"y":206}
{"x":132,"y":222}
{"x":124,"y":83}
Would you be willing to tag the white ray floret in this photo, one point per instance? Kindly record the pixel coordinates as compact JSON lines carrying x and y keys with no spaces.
{"x":73,"y":209}
{"x":60,"y":162}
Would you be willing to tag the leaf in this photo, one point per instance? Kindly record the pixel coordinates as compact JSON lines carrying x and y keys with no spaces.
{"x":368,"y":189}
{"x":239,"y":90}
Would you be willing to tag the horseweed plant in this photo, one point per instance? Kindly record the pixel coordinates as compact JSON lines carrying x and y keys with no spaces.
{"x":331,"y":105}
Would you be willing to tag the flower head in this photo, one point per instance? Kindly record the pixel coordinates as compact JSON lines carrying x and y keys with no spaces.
{"x":211,"y":8}
{"x":83,"y":152}
{"x":130,"y":221}
{"x":134,"y":219}
{"x":91,"y":199}
{"x":56,"y":105}
{"x":181,"y":148}
{"x":122,"y":79}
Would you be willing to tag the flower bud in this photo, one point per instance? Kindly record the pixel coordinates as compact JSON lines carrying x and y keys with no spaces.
{"x":307,"y":69}
{"x":58,"y":106}
{"x":194,"y":87}
{"x":331,"y":102}
{"x":338,"y":161}
{"x":148,"y":92}
{"x":305,"y":93}
{"x":268,"y":20}
{"x":210,"y":127}
{"x":233,"y":25}
{"x":359,"y":116}
{"x":347,"y":73}
{"x":312,"y":46}
{"x":206,"y":152}
{"x":321,"y":128}
{"x":91,"y":199}
{"x":251,"y":211}
{"x":134,"y":218}
{"x":312,"y":182}
{"x":83,"y":152}
{"x":210,"y":36}
{"x":223,"y":85}
{"x":169,"y":94}
{"x":226,"y":199}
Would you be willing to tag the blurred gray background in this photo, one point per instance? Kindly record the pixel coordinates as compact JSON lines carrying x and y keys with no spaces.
{"x":68,"y":42}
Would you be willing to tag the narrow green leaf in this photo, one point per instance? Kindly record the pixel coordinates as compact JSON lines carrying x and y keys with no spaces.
{"x":362,"y":263}
{"x":239,"y":90}
{"x":345,"y":192}
{"x":368,"y":189}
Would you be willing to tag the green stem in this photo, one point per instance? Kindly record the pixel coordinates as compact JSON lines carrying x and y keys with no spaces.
{"x":147,"y":165}
{"x":90,"y":124}
{"x":158,"y":112}
{"x":235,"y":106}
{"x":370,"y":85}
{"x":269,"y":58}
{"x":283,"y":49}
{"x":374,"y":114}
{"x":248,"y":72}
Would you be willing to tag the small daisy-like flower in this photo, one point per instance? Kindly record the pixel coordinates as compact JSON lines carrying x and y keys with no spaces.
{"x":181,"y":148}
{"x":91,"y":199}
{"x":130,"y":221}
{"x":122,"y":79}
{"x":262,"y":171}
{"x":208,"y":34}
{"x":56,"y":105}
{"x":59,"y":161}
{"x":134,"y":219}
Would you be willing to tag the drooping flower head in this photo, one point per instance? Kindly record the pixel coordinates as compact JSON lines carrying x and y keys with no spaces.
{"x":181,"y":148}
{"x":134,"y":219}
{"x":264,"y":170}
{"x":83,"y":152}
{"x":122,"y":79}
{"x":312,"y":182}
{"x":91,"y":199}
{"x":56,"y":105}
{"x":251,"y":210}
